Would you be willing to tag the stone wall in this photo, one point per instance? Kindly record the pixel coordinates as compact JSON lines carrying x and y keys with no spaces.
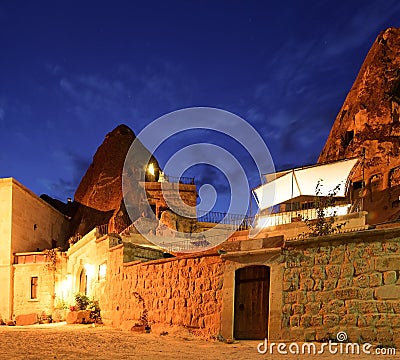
{"x":26,"y":224}
{"x":35,"y":224}
{"x":86,"y":256}
{"x":23,"y":304}
{"x":185,"y":292}
{"x":348,"y":282}
{"x":5,"y":248}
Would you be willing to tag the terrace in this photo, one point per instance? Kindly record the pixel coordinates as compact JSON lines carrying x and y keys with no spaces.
{"x":289,"y":197}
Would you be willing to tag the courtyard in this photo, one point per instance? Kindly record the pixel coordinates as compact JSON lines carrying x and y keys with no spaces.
{"x":60,"y":341}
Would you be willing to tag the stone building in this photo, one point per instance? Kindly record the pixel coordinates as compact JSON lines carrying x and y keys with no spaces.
{"x":27,"y":225}
{"x":262,"y":282}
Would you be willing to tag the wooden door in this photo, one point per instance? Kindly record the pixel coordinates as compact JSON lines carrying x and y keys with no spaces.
{"x":83,"y":282}
{"x":251,"y":303}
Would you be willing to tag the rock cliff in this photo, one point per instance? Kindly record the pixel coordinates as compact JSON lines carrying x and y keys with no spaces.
{"x":368,"y":127}
{"x":369,"y":117}
{"x":101,"y":186}
{"x":98,"y":199}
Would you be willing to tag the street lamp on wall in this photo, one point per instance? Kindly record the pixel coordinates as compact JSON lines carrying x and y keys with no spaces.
{"x":150,"y":169}
{"x":151,"y":172}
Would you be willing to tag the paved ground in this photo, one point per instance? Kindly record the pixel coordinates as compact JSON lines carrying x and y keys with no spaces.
{"x":56,"y":341}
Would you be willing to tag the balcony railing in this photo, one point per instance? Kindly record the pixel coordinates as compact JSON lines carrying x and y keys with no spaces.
{"x":287,"y":217}
{"x":101,"y":230}
{"x":239,"y":222}
{"x":185,"y":245}
{"x":179,"y":180}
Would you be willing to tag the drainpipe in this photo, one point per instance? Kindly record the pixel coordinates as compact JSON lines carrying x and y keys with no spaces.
{"x":11,"y":297}
{"x":291,"y":197}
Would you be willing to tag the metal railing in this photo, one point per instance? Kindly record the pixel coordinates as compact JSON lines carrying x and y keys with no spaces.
{"x":288,"y":217}
{"x":185,"y":245}
{"x":191,"y":241}
{"x":102,"y":230}
{"x":179,"y":180}
{"x":240,"y":222}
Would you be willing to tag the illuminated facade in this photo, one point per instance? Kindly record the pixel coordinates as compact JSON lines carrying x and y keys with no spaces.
{"x":27,"y":225}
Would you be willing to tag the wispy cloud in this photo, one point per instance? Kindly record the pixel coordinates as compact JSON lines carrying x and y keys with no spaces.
{"x":293,"y":103}
{"x":126,"y":97}
{"x":75,"y":167}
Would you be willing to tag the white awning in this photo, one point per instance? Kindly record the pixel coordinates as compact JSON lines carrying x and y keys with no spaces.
{"x":303,"y":181}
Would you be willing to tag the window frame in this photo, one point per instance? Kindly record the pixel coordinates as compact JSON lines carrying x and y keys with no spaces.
{"x":34,"y":287}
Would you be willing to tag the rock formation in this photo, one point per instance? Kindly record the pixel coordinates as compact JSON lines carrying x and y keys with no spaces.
{"x":101,"y":186}
{"x":98,"y":199}
{"x":368,"y":127}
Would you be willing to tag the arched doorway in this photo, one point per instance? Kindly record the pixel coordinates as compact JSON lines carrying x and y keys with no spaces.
{"x":83,"y":282}
{"x":251,"y":302}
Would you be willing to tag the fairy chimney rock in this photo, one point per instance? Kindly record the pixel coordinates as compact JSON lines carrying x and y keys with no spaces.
{"x":101,"y":187}
{"x":369,"y":117}
{"x":368,"y":127}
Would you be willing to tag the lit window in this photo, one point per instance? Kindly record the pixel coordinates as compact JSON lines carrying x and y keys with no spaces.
{"x":102,"y":271}
{"x":34,"y":286}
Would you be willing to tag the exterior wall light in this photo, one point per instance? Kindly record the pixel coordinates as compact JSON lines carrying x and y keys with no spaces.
{"x":150,"y":169}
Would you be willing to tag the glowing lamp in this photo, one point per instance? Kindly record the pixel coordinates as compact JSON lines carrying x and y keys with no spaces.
{"x":150,"y":169}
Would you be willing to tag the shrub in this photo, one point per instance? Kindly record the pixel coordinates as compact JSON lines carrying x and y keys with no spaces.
{"x":323,"y":224}
{"x":81,"y":301}
{"x":94,"y":311}
{"x":61,"y":304}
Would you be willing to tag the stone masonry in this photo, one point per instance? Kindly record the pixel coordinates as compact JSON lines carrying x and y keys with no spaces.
{"x":184,"y":291}
{"x":347,"y":282}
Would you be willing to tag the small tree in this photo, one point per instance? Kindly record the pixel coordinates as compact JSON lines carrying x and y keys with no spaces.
{"x":323,"y":225}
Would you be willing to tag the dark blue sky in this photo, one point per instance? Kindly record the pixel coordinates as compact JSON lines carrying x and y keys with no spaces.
{"x":72,"y":71}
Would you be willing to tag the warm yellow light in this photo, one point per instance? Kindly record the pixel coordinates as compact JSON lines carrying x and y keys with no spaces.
{"x":150,"y":169}
{"x":90,"y":270}
{"x":102,"y":271}
{"x":64,"y":287}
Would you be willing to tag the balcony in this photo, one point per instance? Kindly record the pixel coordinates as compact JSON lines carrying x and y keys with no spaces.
{"x":287,"y":217}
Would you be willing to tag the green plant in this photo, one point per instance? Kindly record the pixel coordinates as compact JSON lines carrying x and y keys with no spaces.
{"x":45,"y":318}
{"x":94,"y":311}
{"x":51,"y":258}
{"x":61,"y":304}
{"x":81,"y":301}
{"x":144,"y":317}
{"x":323,"y":225}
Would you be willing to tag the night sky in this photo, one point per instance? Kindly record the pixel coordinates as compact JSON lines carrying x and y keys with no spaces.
{"x":70,"y":72}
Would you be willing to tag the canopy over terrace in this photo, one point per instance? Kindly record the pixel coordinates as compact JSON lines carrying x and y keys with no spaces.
{"x":286,"y":185}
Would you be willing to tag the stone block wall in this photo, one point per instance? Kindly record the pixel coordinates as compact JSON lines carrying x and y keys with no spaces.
{"x":35,"y":224}
{"x":348,"y":283}
{"x":185,"y":292}
{"x":23,"y":304}
{"x":87,"y":254}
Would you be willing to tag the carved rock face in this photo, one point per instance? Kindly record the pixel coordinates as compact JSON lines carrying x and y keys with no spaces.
{"x":369,"y":116}
{"x":101,"y":187}
{"x":368,"y":126}
{"x":99,"y":197}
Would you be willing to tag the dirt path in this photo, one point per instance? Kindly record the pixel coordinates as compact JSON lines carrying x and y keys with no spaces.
{"x":85,"y":342}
